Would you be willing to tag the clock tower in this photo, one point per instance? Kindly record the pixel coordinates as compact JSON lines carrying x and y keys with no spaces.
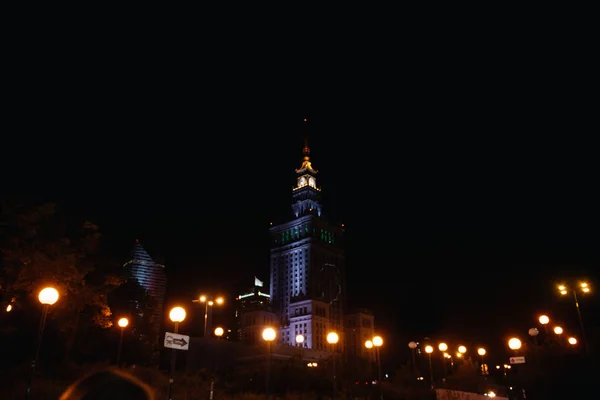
{"x":306,"y":195}
{"x":307,"y":267}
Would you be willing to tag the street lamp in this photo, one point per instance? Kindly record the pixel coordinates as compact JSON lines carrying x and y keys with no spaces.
{"x":558,"y":330}
{"x":462,"y":349}
{"x":429,"y":350}
{"x":123,"y":322}
{"x":585,"y":288}
{"x":514,"y":344}
{"x":268,"y":335}
{"x":572,"y":341}
{"x":208,"y":302}
{"x":481,"y":351}
{"x":412,"y":346}
{"x":300,"y":343}
{"x":176,"y":315}
{"x":378,"y":342}
{"x":332,"y":339}
{"x":534,"y":332}
{"x":47,"y":296}
{"x":219,"y":332}
{"x":544,"y":320}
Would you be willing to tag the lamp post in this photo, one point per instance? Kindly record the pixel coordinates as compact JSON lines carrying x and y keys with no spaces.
{"x":514,"y":344}
{"x":47,"y":296}
{"x":534,"y":332}
{"x":443,"y":347}
{"x":544,"y":320}
{"x":412,"y":346}
{"x":332,"y":339}
{"x":429,"y":350}
{"x":176,"y":315}
{"x":481,"y":351}
{"x":218,"y":333}
{"x":572,"y":341}
{"x":300,"y":343}
{"x":208,"y":302}
{"x":268,"y":335}
{"x":558,"y":330}
{"x":123,"y":322}
{"x":585,"y":288}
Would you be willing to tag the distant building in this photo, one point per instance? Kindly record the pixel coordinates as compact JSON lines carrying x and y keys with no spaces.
{"x":151,"y":276}
{"x":359,"y":327}
{"x":252,"y":312}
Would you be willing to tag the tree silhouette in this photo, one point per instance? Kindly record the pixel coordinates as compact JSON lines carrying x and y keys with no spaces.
{"x":44,"y":248}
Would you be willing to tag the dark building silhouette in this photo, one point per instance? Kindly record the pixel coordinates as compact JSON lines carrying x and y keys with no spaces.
{"x":151,"y":276}
{"x":252,"y":303}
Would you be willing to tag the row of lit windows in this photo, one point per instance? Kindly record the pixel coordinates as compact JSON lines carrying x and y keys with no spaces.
{"x":303,"y":231}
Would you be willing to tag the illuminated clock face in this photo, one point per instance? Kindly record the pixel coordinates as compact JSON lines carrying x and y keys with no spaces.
{"x":302,"y":181}
{"x":311,"y":182}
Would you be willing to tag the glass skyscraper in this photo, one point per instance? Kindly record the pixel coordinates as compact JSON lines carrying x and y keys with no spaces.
{"x":151,"y":276}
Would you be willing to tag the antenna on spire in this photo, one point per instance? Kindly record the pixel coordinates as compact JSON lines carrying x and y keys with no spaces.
{"x":306,"y":149}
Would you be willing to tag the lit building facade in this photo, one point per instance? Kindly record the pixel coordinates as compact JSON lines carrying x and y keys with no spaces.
{"x":307,"y":284}
{"x":151,"y":276}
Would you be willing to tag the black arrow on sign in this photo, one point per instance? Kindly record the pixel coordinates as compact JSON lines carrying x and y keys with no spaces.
{"x":180,"y":342}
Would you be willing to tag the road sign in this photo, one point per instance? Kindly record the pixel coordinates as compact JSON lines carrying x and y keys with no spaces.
{"x":517,"y":360}
{"x":177,"y":341}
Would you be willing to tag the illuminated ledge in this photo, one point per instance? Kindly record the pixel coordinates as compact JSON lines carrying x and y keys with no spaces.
{"x":303,"y":186}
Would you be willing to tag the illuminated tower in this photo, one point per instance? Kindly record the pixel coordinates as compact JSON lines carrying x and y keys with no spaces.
{"x":151,"y":276}
{"x":307,"y":266}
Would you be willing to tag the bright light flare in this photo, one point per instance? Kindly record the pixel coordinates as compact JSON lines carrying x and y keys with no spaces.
{"x":177,"y":314}
{"x":514,"y":344}
{"x":48,"y":296}
{"x":269,"y":334}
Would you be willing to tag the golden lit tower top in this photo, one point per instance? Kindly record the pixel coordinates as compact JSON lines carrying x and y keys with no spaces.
{"x":306,"y":164}
{"x":306,"y":193}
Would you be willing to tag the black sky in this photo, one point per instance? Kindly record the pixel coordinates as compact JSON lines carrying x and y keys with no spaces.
{"x":466,"y":175}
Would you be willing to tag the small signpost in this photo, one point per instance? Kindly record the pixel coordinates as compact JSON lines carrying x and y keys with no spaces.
{"x":517,"y":360}
{"x":177,"y":341}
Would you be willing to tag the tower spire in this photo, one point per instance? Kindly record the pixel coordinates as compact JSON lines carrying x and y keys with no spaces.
{"x":306,"y":149}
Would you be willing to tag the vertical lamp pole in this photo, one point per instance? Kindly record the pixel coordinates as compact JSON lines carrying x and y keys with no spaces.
{"x":47,"y":296}
{"x":268,"y":335}
{"x":585,"y":288}
{"x":211,"y":391}
{"x":378,"y":342}
{"x":176,"y":315}
{"x":412,"y":346}
{"x":300,"y":343}
{"x":332,"y":339}
{"x":208,"y":303}
{"x":443,"y":347}
{"x":123,"y":322}
{"x":429,"y":350}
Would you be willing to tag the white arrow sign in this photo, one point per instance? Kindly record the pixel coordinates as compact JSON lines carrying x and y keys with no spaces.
{"x":177,"y":341}
{"x":517,"y":360}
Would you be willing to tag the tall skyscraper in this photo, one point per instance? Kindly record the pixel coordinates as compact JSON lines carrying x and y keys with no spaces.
{"x":307,"y":266}
{"x":151,"y":276}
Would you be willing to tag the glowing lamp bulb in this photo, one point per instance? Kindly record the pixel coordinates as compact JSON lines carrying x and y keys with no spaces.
{"x":48,"y":296}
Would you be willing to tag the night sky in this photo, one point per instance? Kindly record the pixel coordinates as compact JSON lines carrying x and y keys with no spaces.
{"x":467,"y":184}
